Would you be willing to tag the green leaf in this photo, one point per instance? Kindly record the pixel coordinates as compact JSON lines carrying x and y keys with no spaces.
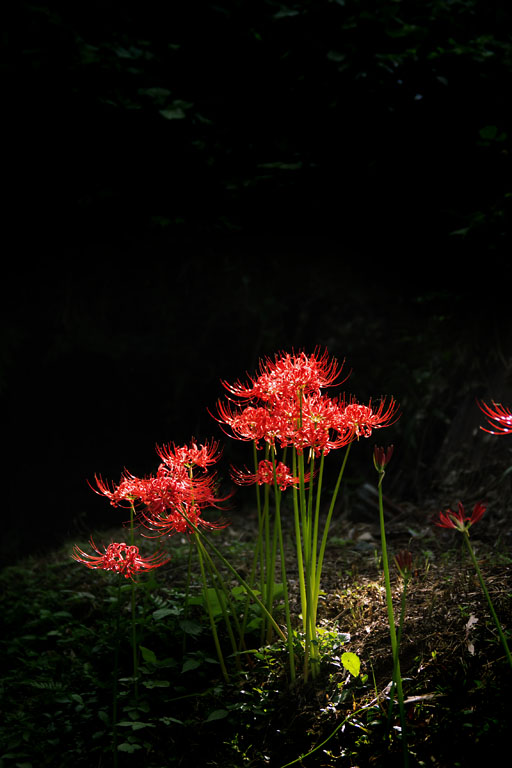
{"x":126,"y":747}
{"x":217,"y":714}
{"x":176,"y":111}
{"x":147,"y":655}
{"x":135,"y":725}
{"x":462,"y":231}
{"x":167,"y":720}
{"x":191,"y":627}
{"x":156,"y":92}
{"x":488,"y":132}
{"x":351,"y":662}
{"x":238,"y":591}
{"x":161,"y":613}
{"x":190,"y":664}
{"x":172,"y":114}
{"x":156,"y":684}
{"x":211,"y":598}
{"x":282,"y":166}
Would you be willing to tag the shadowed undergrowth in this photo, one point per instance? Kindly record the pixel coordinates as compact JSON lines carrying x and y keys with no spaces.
{"x":59,"y":649}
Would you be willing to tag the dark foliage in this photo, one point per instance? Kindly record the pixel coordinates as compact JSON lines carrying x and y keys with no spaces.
{"x":387,"y":121}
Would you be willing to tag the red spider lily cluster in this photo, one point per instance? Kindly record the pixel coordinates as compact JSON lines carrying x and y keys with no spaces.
{"x":284,"y":406}
{"x":173,"y":500}
{"x":498,"y":417}
{"x":119,"y":557}
{"x":459,"y":521}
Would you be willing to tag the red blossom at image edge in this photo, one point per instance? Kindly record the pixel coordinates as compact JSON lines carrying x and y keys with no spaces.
{"x":459,"y":521}
{"x":498,"y":417}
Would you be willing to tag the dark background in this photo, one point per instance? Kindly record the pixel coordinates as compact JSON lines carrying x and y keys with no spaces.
{"x":189,"y":189}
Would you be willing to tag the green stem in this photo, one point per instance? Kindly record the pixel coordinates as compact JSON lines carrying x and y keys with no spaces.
{"x":258,"y":550}
{"x":317,"y":511}
{"x":271,"y":572}
{"x":265,"y":546}
{"x":237,"y":576}
{"x":133,"y":610}
{"x":398,"y":642}
{"x":324,"y":742}
{"x":187,"y":592}
{"x":312,"y":643}
{"x":291,"y":655}
{"x":391,"y":619}
{"x":266,"y":556}
{"x":307,"y":596}
{"x":210,"y":614}
{"x":134,"y":645}
{"x":298,"y":542}
{"x":258,"y":554}
{"x":116,"y":675}
{"x":488,"y":598}
{"x":224,"y":598}
{"x":327,"y":525}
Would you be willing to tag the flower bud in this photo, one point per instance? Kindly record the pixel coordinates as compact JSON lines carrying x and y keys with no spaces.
{"x":381,"y":457}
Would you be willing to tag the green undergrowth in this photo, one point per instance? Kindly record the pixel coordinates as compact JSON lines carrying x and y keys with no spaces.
{"x":63,"y":624}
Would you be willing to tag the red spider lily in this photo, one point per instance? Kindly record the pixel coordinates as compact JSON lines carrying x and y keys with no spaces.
{"x":498,"y":417}
{"x":173,"y":497}
{"x":174,"y":489}
{"x":119,"y":557}
{"x":382,"y":457}
{"x":363,"y":419}
{"x":308,"y":423}
{"x":318,"y":419}
{"x":288,"y":374}
{"x":180,"y":519}
{"x":126,"y":491}
{"x":265,"y":475}
{"x":166,"y":489}
{"x":459,"y":520}
{"x":189,"y":456}
{"x":161,"y":491}
{"x":252,"y":423}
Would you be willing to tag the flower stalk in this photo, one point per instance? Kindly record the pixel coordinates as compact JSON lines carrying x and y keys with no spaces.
{"x":403,"y":562}
{"x":242,"y":582}
{"x":209,"y":609}
{"x":381,"y":458}
{"x":460,"y":521}
{"x":487,"y":597}
{"x":291,"y":653}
